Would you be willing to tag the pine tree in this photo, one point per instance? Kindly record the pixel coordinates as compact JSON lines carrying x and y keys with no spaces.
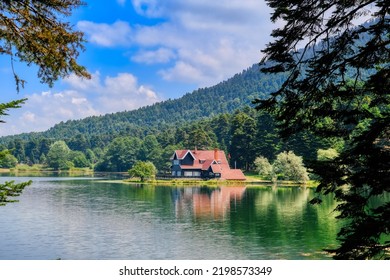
{"x":326,"y":93}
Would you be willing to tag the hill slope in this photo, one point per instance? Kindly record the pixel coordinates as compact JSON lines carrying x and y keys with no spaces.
{"x":224,"y":97}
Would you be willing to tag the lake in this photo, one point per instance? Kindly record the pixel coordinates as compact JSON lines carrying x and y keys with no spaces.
{"x":87,"y":218}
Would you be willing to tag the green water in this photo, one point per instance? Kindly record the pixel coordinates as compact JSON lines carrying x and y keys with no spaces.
{"x":72,"y":218}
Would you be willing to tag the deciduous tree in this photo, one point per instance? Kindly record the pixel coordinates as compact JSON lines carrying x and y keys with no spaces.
{"x":58,"y":156}
{"x":263,"y":167}
{"x":289,"y":166}
{"x":143,"y":170}
{"x":7,"y":160}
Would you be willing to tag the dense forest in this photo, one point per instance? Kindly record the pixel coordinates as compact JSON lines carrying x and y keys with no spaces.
{"x":224,"y":97}
{"x":244,"y":135}
{"x":213,"y":117}
{"x":220,"y":116}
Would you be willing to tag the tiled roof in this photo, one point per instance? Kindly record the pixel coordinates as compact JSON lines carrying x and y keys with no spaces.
{"x":233,"y":174}
{"x":203,"y":154}
{"x":215,"y":159}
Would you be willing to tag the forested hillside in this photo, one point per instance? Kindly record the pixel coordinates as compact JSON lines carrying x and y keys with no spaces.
{"x":224,"y":97}
{"x":213,"y":117}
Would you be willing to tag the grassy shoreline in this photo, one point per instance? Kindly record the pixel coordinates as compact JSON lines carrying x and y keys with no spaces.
{"x":216,"y":183}
{"x":252,"y":179}
{"x":24,"y":169}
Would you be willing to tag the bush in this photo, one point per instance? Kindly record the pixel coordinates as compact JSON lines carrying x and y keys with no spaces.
{"x":289,"y":166}
{"x":263,"y":167}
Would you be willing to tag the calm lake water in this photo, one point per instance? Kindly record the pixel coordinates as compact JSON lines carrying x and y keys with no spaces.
{"x":91,"y":219}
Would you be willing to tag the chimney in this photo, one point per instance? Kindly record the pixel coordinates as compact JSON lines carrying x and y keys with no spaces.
{"x":216,"y":155}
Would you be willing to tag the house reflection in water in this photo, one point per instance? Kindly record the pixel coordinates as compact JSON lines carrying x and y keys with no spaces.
{"x":207,"y":203}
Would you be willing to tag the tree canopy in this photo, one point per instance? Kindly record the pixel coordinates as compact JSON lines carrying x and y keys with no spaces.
{"x":143,"y":170}
{"x":34,"y":32}
{"x":327,"y":94}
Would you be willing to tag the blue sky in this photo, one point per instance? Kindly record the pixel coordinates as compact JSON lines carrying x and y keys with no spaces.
{"x":140,"y":52}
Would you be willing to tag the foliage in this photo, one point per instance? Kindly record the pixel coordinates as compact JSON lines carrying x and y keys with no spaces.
{"x":58,"y":156}
{"x":327,"y":154}
{"x":10,"y":189}
{"x":78,"y":159}
{"x":34,"y":32}
{"x":243,"y":133}
{"x":263,"y":167}
{"x":4,"y":107}
{"x":120,"y":156}
{"x":289,"y":166}
{"x":7,"y":160}
{"x":228,"y":132}
{"x":150,"y":150}
{"x":337,"y":87}
{"x":143,"y":170}
{"x":225,"y":97}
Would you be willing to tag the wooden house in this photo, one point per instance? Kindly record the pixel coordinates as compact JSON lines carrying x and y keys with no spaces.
{"x":207,"y":164}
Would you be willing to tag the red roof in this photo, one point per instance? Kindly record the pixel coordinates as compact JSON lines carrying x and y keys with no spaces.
{"x":233,"y":174}
{"x":216,"y":159}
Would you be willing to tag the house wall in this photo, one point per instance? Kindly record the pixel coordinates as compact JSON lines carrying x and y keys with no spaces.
{"x":190,"y":173}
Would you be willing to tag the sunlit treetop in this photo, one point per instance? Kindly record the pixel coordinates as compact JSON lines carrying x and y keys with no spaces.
{"x":36,"y":32}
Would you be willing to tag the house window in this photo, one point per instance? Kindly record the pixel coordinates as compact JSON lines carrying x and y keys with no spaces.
{"x":187,"y":173}
{"x":178,"y":173}
{"x":176,"y":162}
{"x":173,"y":173}
{"x":196,"y":174}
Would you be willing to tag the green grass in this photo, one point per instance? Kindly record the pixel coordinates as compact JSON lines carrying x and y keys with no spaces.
{"x":24,"y":168}
{"x":184,"y":182}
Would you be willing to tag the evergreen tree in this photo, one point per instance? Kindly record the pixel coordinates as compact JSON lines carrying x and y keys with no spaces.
{"x":10,"y":189}
{"x":326,"y":94}
{"x":267,"y":138}
{"x":150,"y":150}
{"x":243,"y":144}
{"x":121,"y":155}
{"x":33,"y":32}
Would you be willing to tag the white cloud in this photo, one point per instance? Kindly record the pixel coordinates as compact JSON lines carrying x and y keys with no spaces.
{"x":123,"y":93}
{"x":28,"y":117}
{"x":150,"y":8}
{"x":81,"y":99}
{"x":107,"y":35}
{"x":195,"y":41}
{"x":161,"y":55}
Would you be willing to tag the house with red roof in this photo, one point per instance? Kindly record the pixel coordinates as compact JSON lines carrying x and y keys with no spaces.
{"x":203,"y":164}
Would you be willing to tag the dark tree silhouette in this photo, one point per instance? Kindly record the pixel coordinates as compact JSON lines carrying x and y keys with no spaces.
{"x":327,"y":94}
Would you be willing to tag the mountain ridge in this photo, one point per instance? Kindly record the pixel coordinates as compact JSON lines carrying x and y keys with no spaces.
{"x":224,"y":97}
